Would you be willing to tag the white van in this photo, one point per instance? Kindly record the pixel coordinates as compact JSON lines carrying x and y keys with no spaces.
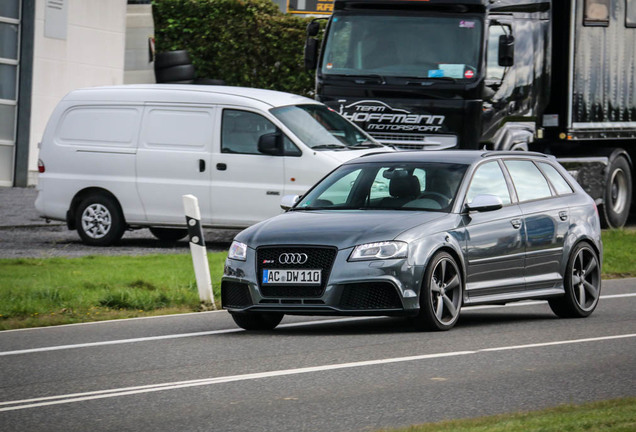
{"x":117,"y":158}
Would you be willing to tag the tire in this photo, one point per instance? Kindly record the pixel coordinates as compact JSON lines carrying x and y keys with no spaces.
{"x":440,"y":295}
{"x":582,"y":283}
{"x":169,"y":234}
{"x":171,"y":58}
{"x":175,"y":73}
{"x":618,"y":193}
{"x":99,"y":221}
{"x":257,"y":320}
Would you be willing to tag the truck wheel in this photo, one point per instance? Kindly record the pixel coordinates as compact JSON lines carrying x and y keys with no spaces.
{"x":618,"y":193}
{"x":257,"y":320}
{"x":169,"y":234}
{"x":99,"y":221}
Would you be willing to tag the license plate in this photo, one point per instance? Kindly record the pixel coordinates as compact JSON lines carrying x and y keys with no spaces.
{"x":295,"y":277}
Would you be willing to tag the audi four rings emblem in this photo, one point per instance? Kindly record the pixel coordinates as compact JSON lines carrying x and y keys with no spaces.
{"x":292,"y":258}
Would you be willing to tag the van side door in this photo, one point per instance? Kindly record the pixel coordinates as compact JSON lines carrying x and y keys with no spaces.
{"x":173,"y":159}
{"x":247,"y":185}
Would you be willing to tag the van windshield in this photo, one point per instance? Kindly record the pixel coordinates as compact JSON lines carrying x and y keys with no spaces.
{"x":322,"y":128}
{"x":399,"y":45}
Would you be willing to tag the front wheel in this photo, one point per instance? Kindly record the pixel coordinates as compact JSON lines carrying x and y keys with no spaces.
{"x":440,"y":295}
{"x":257,"y":320}
{"x":582,"y":283}
{"x":99,"y":221}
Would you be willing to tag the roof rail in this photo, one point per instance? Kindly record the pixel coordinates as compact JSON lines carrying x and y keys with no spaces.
{"x":493,"y":153}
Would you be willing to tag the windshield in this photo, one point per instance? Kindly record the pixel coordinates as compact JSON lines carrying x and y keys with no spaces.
{"x":387,"y":186}
{"x":403,"y":46}
{"x":322,"y":128}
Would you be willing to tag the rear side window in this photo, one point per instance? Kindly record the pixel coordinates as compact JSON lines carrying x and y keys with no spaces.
{"x":178,"y":128}
{"x":99,"y":126}
{"x":558,"y":182}
{"x":529,"y":183}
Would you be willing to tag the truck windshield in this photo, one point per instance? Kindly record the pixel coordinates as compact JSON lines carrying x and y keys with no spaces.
{"x":322,"y":128}
{"x":409,"y":46}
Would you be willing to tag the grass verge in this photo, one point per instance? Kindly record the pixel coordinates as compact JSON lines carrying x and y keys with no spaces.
{"x":50,"y":291}
{"x":618,"y":415}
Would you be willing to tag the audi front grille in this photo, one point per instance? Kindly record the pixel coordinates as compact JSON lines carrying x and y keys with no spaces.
{"x":317,"y":258}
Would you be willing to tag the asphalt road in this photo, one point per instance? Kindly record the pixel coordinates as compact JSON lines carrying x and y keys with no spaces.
{"x":200,"y":372}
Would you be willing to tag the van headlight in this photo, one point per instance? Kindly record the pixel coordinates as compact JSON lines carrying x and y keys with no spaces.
{"x":238,"y":251}
{"x":379,"y":250}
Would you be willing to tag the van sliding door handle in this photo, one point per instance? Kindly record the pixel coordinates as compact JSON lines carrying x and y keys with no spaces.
{"x":201,"y":165}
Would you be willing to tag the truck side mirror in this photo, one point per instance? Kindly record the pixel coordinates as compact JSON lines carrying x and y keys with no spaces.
{"x":506,"y":50}
{"x":271,"y":144}
{"x":313,"y":28}
{"x":311,"y":54}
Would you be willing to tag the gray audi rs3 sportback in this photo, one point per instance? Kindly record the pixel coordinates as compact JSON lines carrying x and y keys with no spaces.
{"x":421,"y":234}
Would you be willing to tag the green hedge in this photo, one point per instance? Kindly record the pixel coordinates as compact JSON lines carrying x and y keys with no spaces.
{"x":244,"y":42}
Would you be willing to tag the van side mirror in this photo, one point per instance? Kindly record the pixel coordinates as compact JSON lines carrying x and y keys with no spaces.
{"x":482,"y":203}
{"x":506,"y":56}
{"x":271,"y":144}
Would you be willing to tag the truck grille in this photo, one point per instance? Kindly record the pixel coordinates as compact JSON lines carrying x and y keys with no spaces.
{"x":417,"y":141}
{"x":321,"y":257}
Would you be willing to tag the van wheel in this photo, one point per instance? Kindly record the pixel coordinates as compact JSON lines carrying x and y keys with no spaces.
{"x":257,"y":320}
{"x":99,"y":221}
{"x":169,"y":234}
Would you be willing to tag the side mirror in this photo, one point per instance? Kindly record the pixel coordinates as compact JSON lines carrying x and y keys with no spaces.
{"x":288,"y":201}
{"x":311,"y":53}
{"x":271,"y":144}
{"x":482,"y":203}
{"x":506,"y":50}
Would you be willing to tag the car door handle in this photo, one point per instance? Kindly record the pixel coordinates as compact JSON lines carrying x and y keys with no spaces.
{"x":516,"y":223}
{"x":201,"y":165}
{"x":563,"y":215}
{"x":221,"y":166}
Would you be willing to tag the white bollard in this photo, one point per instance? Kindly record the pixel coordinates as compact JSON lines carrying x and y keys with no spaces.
{"x":198,"y":250}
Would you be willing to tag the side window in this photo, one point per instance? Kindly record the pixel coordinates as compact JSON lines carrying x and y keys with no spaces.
{"x":560,"y":185}
{"x":596,"y":13}
{"x":529,"y":183}
{"x":241,"y":130}
{"x":489,"y":180}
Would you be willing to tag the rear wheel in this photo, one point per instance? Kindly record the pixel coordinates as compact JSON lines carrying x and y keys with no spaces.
{"x":582,"y":283}
{"x":618,"y":193}
{"x":99,"y":221}
{"x":440,"y":295}
{"x":257,"y":320}
{"x":169,"y":234}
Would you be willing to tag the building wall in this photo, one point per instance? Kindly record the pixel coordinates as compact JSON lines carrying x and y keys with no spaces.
{"x":91,"y":54}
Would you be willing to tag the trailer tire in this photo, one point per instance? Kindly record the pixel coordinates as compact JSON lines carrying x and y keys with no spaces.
{"x":618,"y":193}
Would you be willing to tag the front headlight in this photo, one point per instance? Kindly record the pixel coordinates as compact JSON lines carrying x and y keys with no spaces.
{"x":379,"y":250}
{"x":238,"y":251}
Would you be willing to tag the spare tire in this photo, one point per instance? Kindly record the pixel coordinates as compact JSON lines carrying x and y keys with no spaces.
{"x":175,"y":73}
{"x":171,"y":58}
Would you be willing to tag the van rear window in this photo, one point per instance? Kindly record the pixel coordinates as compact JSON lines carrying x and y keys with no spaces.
{"x":99,"y":126}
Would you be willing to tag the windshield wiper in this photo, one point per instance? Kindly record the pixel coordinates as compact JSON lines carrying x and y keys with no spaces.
{"x":367,"y":144}
{"x":328,"y":146}
{"x":426,"y":80}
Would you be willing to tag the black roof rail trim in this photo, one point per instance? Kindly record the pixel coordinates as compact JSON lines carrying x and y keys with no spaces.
{"x":513,"y":153}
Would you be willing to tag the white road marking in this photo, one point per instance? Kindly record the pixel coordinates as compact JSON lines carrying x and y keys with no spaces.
{"x":236,"y":330}
{"x":125,"y":391}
